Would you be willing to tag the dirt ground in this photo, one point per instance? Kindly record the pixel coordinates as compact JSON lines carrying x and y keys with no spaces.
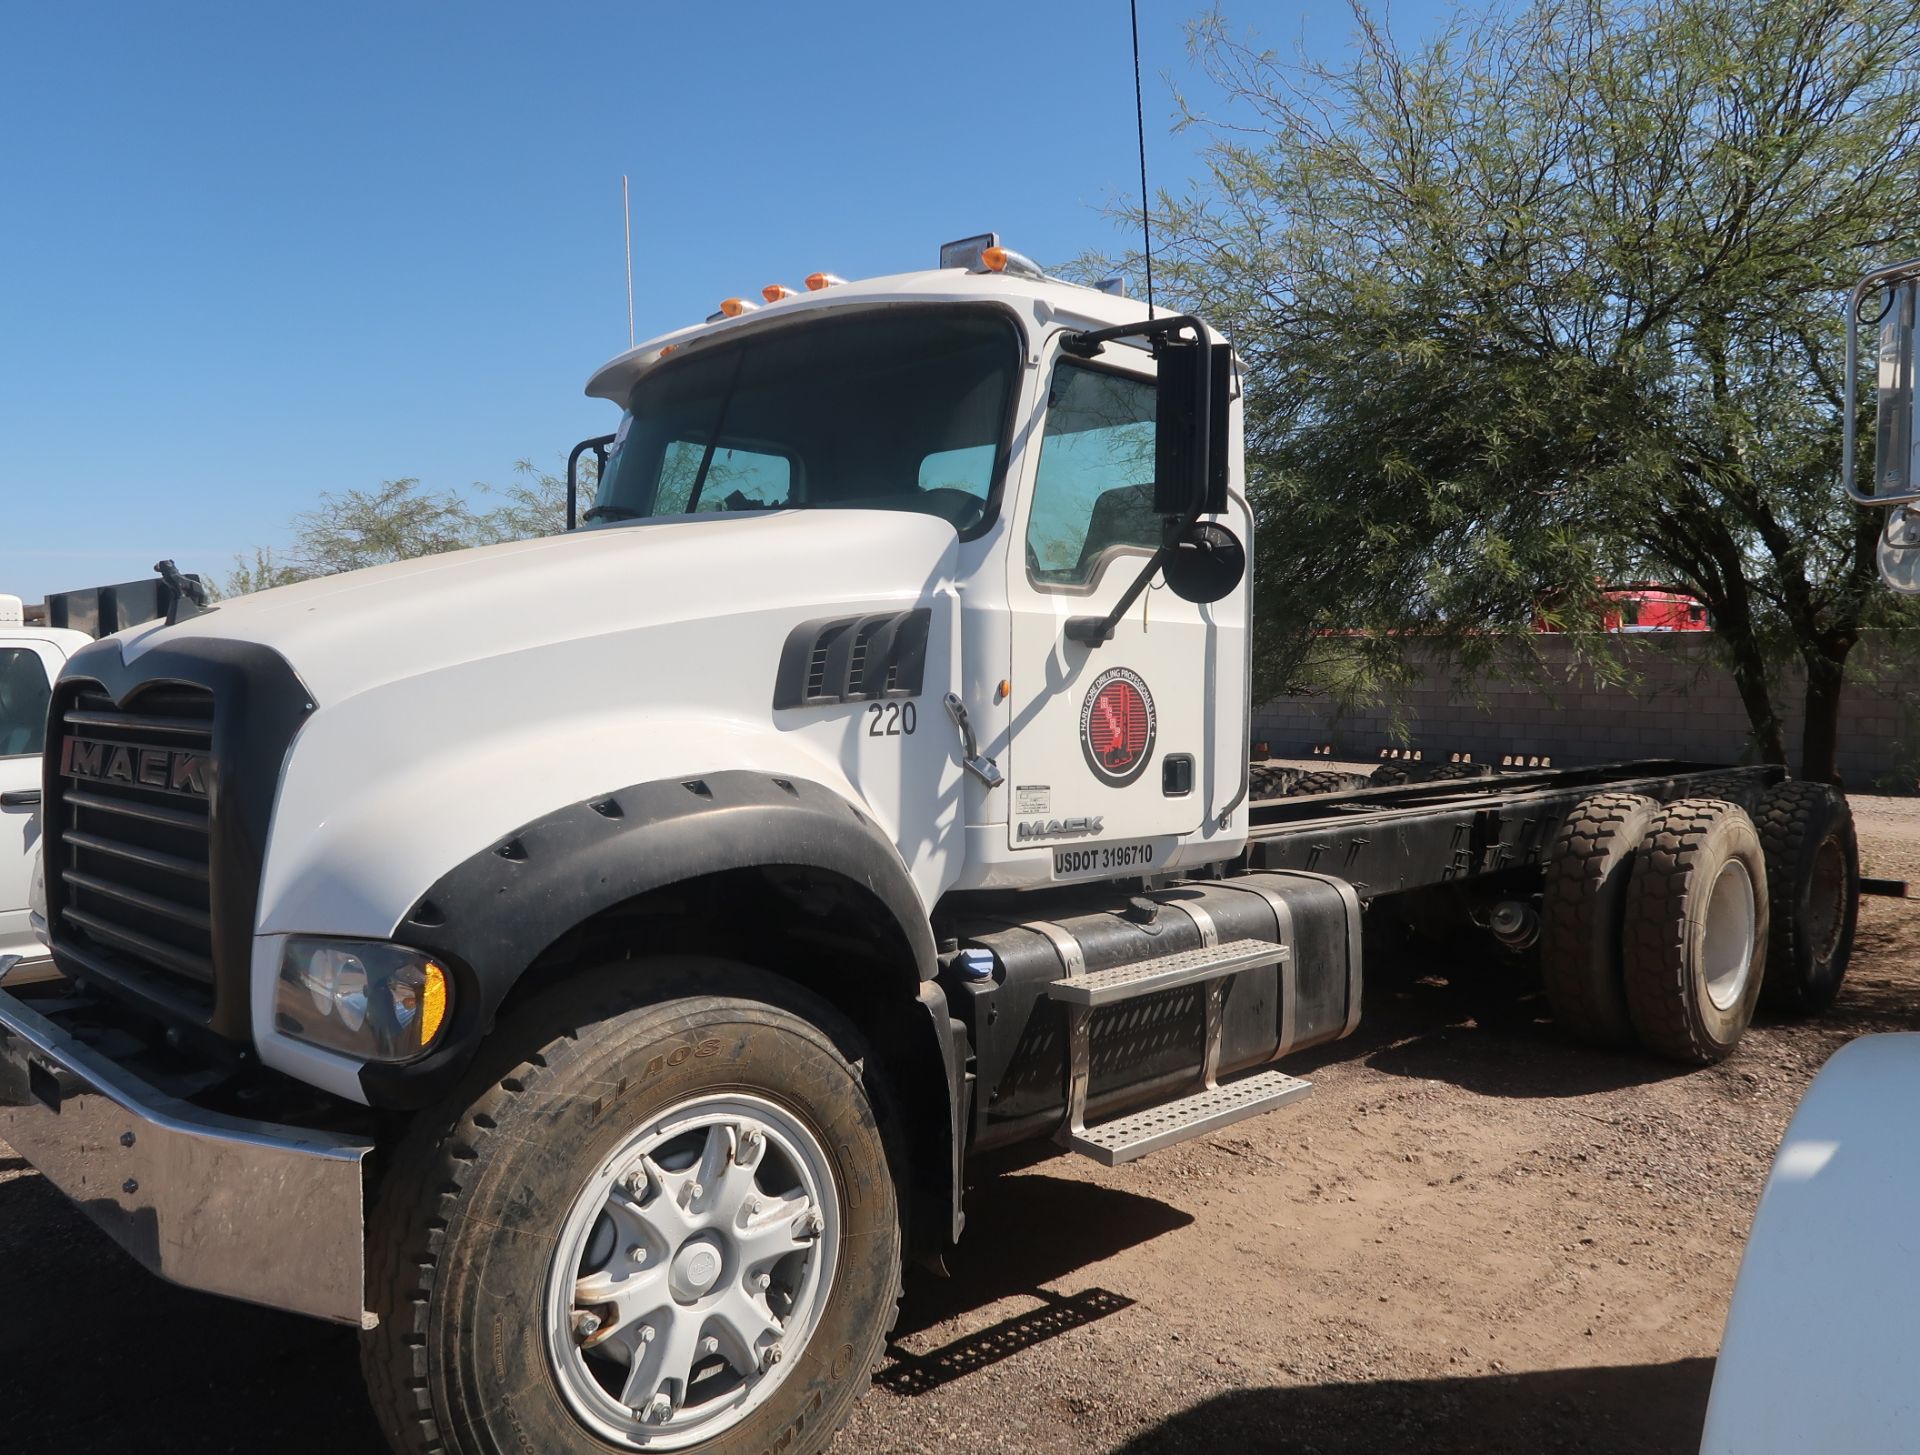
{"x":1471,"y":1237}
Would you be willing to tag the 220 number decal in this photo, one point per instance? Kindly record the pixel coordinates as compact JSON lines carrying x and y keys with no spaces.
{"x":892,"y":719}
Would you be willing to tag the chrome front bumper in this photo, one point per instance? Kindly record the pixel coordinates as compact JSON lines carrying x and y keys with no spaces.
{"x":256,"y":1211}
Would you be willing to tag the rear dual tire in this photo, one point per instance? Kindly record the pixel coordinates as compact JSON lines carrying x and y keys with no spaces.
{"x":1813,"y":880}
{"x":1656,"y":925}
{"x":1694,"y":942}
{"x":1583,"y":910}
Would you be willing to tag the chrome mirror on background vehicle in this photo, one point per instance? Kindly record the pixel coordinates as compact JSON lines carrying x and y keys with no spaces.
{"x":1887,"y":300}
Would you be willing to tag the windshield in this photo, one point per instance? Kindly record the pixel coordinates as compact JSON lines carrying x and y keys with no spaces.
{"x":902,"y":409}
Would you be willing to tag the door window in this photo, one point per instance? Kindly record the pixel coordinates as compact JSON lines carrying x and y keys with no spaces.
{"x":1093,"y":492}
{"x":24,"y":696}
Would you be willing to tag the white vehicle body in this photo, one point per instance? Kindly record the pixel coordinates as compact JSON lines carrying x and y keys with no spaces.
{"x":1823,"y":1330}
{"x":30,"y":658}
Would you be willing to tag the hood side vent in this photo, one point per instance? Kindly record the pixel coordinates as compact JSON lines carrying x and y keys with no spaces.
{"x":840,"y":659}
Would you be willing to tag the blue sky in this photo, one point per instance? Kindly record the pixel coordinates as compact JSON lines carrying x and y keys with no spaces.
{"x":249,"y":253}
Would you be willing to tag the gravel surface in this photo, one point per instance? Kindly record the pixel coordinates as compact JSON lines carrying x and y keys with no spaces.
{"x":1472,"y":1236}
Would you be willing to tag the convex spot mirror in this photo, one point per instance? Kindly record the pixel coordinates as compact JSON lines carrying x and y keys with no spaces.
{"x":1205,"y":564}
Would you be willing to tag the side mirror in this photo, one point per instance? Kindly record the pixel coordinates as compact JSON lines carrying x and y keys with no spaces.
{"x":599,"y":446}
{"x":1192,"y":396}
{"x":1205,"y":564}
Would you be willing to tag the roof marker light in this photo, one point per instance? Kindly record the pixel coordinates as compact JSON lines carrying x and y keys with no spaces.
{"x":734,"y":307}
{"x":1006,"y":260}
{"x":774,"y":292}
{"x":817,"y":281}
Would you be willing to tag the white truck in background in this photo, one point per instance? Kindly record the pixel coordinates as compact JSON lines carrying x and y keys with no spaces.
{"x":30,"y":658}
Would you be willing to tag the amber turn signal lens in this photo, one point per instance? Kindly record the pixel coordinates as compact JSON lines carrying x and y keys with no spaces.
{"x":995,"y":259}
{"x":433,"y":1003}
{"x":817,"y":281}
{"x":774,"y":292}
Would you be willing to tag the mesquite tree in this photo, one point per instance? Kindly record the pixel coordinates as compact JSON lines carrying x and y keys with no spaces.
{"x":1551,"y":300}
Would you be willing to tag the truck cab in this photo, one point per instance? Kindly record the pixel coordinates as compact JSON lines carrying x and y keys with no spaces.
{"x":30,"y":658}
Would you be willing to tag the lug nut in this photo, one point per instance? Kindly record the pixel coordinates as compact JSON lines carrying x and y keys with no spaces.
{"x":763,"y":1282}
{"x":773,"y":1355}
{"x":638,"y":1252}
{"x":636,"y":1183}
{"x":658,"y":1408}
{"x":646,"y":1333}
{"x":813,"y":1223}
{"x":585,"y":1325}
{"x":709,"y":1345}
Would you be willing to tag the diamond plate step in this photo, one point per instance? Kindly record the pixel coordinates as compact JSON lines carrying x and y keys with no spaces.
{"x":1165,"y":972}
{"x":1128,"y":1137}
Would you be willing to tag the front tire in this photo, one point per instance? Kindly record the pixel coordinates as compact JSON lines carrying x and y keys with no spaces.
{"x":603,"y":1215}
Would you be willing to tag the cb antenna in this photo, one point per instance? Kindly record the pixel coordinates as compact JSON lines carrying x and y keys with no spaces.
{"x":1140,"y":124}
{"x":626,"y":214}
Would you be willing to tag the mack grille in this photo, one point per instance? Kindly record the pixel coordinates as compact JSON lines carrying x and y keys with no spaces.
{"x":131,"y":839}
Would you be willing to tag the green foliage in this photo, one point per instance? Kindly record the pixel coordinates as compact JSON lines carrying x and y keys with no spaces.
{"x":403,"y":519}
{"x":1551,"y":300}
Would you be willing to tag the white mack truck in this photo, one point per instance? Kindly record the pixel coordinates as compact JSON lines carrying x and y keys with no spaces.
{"x":596,"y":1001}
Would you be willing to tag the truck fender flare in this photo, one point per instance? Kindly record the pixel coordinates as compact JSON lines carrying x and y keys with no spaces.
{"x":492,"y":915}
{"x":496,"y":911}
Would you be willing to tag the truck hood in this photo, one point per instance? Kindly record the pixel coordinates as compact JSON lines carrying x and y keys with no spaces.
{"x":353,"y":632}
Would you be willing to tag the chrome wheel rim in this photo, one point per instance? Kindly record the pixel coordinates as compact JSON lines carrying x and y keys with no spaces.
{"x":690,"y":1272}
{"x":1727,"y":942}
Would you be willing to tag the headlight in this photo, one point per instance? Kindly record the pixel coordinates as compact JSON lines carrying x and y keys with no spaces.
{"x":370,"y":999}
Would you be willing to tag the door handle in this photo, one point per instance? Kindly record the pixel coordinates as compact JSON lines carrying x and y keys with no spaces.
{"x":983,"y":768}
{"x":20,"y":798}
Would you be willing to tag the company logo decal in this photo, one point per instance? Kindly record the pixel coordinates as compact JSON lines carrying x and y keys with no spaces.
{"x":1117,"y":725}
{"x":1057,"y":828}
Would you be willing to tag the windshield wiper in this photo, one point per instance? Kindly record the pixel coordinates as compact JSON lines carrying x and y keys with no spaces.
{"x":609,"y":512}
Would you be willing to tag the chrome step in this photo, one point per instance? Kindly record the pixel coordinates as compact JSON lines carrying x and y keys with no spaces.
{"x":1165,"y":972}
{"x":1128,"y":1137}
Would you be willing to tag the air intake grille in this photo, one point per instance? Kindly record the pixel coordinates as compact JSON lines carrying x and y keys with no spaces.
{"x":129,"y":835}
{"x":835,"y":660}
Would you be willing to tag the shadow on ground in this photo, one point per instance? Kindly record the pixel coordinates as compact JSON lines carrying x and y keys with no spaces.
{"x":100,"y":1356}
{"x":1023,"y":1232}
{"x":1482,"y":1025}
{"x":1650,"y":1409}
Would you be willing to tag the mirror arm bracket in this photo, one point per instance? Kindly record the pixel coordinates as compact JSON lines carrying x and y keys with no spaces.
{"x":1088,"y":345}
{"x":599,"y":446}
{"x":1095,"y":631}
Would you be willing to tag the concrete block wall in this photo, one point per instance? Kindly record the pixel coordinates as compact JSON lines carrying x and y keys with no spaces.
{"x":1680,"y":703}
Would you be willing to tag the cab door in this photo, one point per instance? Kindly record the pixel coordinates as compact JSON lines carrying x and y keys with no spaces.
{"x":1110,"y":745}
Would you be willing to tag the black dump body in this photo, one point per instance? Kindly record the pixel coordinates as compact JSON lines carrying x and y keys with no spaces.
{"x":1415,"y":836}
